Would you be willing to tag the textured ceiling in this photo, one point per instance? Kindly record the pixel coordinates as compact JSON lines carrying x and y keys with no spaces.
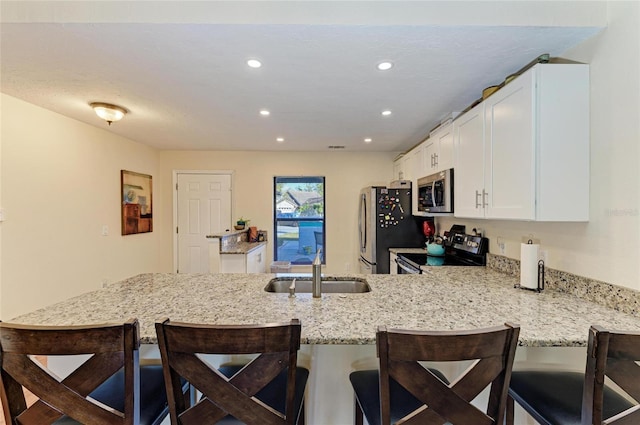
{"x":187,"y":85}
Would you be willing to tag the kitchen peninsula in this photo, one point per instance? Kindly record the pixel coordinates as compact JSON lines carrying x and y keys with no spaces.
{"x":339,"y":329}
{"x":231,"y":252}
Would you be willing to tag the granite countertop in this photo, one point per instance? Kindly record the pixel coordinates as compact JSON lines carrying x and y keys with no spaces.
{"x":227,"y":233}
{"x":241,"y":247}
{"x":442,"y":298}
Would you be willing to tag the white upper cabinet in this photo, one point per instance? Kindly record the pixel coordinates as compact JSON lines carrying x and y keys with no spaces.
{"x":469,"y":162}
{"x":414,"y":164}
{"x":534,"y":160}
{"x":509,"y":151}
{"x":438,"y":150}
{"x":398,"y":173}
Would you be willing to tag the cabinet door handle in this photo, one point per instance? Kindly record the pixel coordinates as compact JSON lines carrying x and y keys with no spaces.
{"x":478,"y":205}
{"x":435,"y":157}
{"x":485,"y":203}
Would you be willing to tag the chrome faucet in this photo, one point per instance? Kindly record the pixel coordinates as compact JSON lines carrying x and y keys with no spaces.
{"x":292,"y":289}
{"x":316,"y":269}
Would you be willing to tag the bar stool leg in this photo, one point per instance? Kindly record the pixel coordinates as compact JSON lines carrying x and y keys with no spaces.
{"x":509,"y":417}
{"x":358,"y":414}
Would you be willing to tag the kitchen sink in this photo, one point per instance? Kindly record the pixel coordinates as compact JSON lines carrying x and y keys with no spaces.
{"x":330,"y":285}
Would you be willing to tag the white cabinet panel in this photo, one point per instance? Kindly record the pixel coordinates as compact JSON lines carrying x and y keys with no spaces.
{"x":398,"y":173}
{"x":535,"y":149}
{"x":233,"y":263}
{"x":509,"y":151}
{"x":429,"y":156}
{"x":438,"y":150}
{"x":255,"y":261}
{"x":469,"y":164}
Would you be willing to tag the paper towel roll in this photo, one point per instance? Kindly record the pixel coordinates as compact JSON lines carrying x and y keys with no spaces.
{"x":529,"y":265}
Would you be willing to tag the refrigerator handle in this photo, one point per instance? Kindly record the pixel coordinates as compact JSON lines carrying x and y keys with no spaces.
{"x":362,"y":218}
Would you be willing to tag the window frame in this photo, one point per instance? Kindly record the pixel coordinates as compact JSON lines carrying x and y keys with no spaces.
{"x":303,"y":180}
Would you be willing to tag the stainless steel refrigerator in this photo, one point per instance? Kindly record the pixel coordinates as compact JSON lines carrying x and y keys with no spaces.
{"x":384,"y":222}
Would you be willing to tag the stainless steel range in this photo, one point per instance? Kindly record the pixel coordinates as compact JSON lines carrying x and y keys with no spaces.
{"x":460,"y":249}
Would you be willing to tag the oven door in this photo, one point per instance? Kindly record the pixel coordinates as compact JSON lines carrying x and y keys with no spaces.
{"x":407,"y":267}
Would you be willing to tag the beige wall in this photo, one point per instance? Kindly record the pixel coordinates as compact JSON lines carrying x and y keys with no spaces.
{"x":606,"y":248}
{"x":346,"y":173}
{"x":60,"y":183}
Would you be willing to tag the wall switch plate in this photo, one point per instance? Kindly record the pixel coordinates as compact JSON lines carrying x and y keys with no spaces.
{"x":105,"y":230}
{"x":1,"y":214}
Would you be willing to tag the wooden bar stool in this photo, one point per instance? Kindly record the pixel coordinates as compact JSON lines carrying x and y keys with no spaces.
{"x":267,"y":390}
{"x":129,"y":394}
{"x":573,"y":398}
{"x":406,"y":392}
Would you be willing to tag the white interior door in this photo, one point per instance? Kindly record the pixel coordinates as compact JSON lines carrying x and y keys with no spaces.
{"x":203,"y":208}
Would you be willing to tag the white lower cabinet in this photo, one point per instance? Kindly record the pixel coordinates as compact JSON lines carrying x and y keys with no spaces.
{"x":254,"y":261}
{"x":523,"y":153}
{"x":257,"y":261}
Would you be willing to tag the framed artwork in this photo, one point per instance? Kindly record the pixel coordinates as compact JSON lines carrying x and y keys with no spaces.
{"x":137,"y":207}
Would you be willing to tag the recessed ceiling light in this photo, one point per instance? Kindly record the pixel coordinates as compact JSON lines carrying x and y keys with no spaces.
{"x":254,"y":63}
{"x":368,"y":140}
{"x":280,"y":139}
{"x":386,"y":113}
{"x":264,"y":112}
{"x":383,"y":66}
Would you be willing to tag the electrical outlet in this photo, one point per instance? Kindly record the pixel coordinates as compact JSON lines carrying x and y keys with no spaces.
{"x":501,"y":245}
{"x":105,"y":282}
{"x":347,"y":267}
{"x":105,"y":230}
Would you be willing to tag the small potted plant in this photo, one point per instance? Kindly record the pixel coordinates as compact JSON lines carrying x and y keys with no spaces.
{"x":241,"y":223}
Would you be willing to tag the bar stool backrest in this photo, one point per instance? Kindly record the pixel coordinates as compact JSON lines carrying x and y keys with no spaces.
{"x":180,"y":347}
{"x":493,"y":349}
{"x":612,"y":354}
{"x":112,"y":347}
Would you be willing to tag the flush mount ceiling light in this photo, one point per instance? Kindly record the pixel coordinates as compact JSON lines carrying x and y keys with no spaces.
{"x":280,"y":139}
{"x":264,"y":113}
{"x":368,"y":140}
{"x":383,"y":66}
{"x":108,"y":112}
{"x":254,"y":63}
{"x":386,"y":113}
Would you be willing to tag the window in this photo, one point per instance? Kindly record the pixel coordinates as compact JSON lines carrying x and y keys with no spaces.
{"x":298,"y":218}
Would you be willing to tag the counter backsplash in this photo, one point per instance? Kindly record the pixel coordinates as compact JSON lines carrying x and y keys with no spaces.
{"x":617,"y":297}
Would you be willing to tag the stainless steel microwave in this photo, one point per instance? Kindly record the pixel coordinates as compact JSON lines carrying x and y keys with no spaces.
{"x":435,"y":193}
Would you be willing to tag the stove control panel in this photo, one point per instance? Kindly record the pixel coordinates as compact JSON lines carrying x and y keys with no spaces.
{"x":468,"y":243}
